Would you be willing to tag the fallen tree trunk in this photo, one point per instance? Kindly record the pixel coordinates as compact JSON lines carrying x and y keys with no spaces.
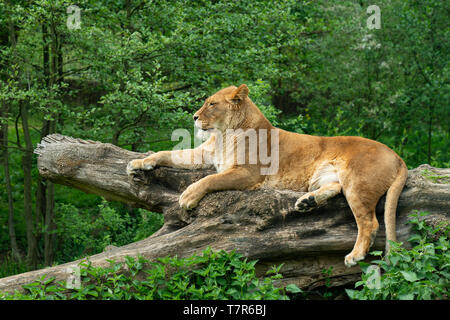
{"x":261,"y":224}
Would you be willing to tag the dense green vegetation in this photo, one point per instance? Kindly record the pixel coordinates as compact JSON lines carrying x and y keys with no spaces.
{"x":132,"y":71}
{"x":419,"y":273}
{"x":211,"y":276}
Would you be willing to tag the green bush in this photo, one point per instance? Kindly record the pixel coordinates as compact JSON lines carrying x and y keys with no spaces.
{"x":84,"y":232}
{"x":9,"y":266}
{"x":212,"y":275}
{"x":420,"y":273}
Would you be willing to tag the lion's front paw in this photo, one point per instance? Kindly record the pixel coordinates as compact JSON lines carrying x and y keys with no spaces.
{"x":190,"y":197}
{"x":140,"y":164}
{"x":134,"y":165}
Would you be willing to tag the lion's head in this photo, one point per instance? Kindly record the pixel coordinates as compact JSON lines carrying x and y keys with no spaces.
{"x":224,"y":109}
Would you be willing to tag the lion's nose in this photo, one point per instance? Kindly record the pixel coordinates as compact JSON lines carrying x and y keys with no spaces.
{"x":195,"y":117}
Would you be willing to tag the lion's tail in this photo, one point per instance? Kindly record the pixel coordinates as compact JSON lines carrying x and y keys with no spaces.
{"x":390,"y":206}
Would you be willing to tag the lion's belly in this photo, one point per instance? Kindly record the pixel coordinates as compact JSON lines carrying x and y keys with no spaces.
{"x":291,"y":182}
{"x":303,"y":179}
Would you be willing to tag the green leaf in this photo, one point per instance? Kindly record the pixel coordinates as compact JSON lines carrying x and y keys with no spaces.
{"x":352,"y":294}
{"x":292,"y":288}
{"x":406,"y":296}
{"x":394,"y":259}
{"x":48,"y":280}
{"x":409,"y":275}
{"x":377,"y":253}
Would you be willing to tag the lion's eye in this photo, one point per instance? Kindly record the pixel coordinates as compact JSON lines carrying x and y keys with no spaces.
{"x":212,"y":104}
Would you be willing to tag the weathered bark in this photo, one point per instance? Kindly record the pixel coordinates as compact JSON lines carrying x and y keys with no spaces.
{"x":261,"y":224}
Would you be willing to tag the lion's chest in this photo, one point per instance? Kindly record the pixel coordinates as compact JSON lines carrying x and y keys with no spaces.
{"x":222,"y":162}
{"x":225,"y":153}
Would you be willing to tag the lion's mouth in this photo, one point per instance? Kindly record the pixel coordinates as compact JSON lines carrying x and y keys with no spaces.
{"x":201,"y":127}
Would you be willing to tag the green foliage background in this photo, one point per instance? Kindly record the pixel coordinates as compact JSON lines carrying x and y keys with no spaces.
{"x":136,"y":70}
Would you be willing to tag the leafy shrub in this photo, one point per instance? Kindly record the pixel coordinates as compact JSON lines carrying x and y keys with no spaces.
{"x":212,"y":275}
{"x":82,"y":232}
{"x":421,"y":273}
{"x":9,"y":266}
{"x":149,"y":223}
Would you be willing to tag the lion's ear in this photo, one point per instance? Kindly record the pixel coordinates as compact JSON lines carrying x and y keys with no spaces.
{"x":239,"y":94}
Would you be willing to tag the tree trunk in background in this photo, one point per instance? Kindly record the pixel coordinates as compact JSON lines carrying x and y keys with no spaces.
{"x":260,"y":224}
{"x":4,"y":113}
{"x":17,"y":255}
{"x":45,"y":198}
{"x":49,"y":225}
{"x":41,"y":186}
{"x":60,"y":59}
{"x":27,"y":162}
{"x":45,"y":54}
{"x":45,"y":193}
{"x":49,"y":236}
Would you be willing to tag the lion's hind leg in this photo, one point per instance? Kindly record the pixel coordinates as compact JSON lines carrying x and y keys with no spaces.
{"x":366,"y":220}
{"x":317,"y":198}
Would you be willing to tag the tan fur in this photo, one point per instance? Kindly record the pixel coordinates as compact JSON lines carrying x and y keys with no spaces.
{"x":362,"y":169}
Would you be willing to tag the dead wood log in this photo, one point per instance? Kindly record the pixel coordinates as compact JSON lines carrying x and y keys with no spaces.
{"x":261,"y":224}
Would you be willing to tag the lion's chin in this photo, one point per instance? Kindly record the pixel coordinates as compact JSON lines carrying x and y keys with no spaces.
{"x":204,"y":134}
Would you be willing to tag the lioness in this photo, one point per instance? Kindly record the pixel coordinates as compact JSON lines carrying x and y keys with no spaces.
{"x":362,"y":169}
